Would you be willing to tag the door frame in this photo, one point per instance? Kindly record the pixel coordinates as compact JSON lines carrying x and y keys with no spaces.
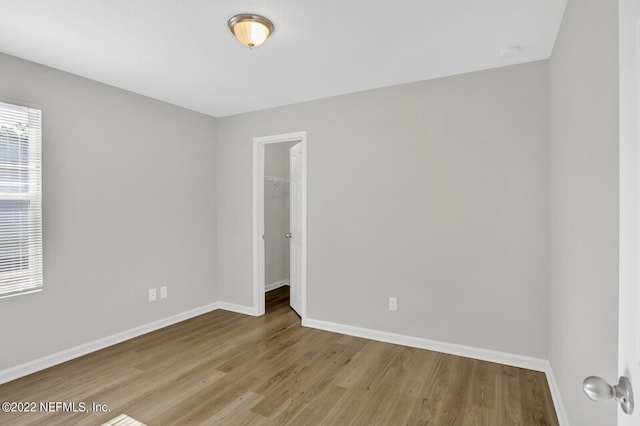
{"x":259,"y":144}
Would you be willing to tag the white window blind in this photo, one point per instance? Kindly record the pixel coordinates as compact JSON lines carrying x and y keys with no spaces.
{"x":20,"y":200}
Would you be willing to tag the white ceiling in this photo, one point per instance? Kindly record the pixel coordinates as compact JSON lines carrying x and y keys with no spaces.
{"x":181,"y":51}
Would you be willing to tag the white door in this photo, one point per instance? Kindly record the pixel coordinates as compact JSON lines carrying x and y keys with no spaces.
{"x":295,"y":227}
{"x":629,"y":280}
{"x":629,"y":315}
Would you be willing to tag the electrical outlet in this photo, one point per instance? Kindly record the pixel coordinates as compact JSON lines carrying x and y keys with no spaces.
{"x":393,"y":303}
{"x":163,"y":292}
{"x":152,"y":295}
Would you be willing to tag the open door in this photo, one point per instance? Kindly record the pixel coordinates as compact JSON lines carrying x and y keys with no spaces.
{"x":629,"y":313}
{"x":298,"y":226}
{"x":629,"y":278}
{"x":295,"y":227}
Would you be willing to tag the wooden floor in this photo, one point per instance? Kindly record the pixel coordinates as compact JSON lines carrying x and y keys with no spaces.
{"x":227,"y":368}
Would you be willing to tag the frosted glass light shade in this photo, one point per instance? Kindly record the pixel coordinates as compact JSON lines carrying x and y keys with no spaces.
{"x":250,"y":30}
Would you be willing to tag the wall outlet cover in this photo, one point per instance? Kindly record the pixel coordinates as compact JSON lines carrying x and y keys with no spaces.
{"x":393,"y":303}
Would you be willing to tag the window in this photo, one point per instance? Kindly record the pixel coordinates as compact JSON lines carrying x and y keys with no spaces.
{"x":20,"y":200}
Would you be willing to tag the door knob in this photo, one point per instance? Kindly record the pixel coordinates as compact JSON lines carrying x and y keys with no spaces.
{"x":598,"y":389}
{"x":288,"y":235}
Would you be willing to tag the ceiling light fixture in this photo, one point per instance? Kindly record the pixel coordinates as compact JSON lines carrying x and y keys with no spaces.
{"x":251,"y":30}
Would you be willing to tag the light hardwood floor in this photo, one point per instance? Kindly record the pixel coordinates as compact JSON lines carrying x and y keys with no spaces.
{"x":227,"y":368}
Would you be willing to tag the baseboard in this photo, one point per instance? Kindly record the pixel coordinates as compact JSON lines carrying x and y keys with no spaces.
{"x":241,"y":309}
{"x":505,"y":358}
{"x":563,"y":420}
{"x":277,"y":284}
{"x":30,"y":367}
{"x":514,"y":360}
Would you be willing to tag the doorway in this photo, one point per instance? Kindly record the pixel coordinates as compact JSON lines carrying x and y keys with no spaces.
{"x":277,"y":225}
{"x":296,"y":183}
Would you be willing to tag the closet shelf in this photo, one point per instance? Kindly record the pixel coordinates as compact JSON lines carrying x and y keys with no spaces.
{"x":276,"y":179}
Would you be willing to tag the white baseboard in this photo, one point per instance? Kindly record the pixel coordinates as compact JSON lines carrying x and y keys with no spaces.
{"x":47,"y":361}
{"x":514,"y":360}
{"x":563,"y":420}
{"x":30,"y":367}
{"x":241,"y":309}
{"x":277,"y":284}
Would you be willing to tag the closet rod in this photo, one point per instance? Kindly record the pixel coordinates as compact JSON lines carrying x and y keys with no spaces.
{"x":276,"y":179}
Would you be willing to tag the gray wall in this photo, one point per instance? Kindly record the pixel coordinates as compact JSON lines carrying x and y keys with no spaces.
{"x":584,"y":205}
{"x":128,"y":205}
{"x":434,"y":192}
{"x":276,"y":213}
